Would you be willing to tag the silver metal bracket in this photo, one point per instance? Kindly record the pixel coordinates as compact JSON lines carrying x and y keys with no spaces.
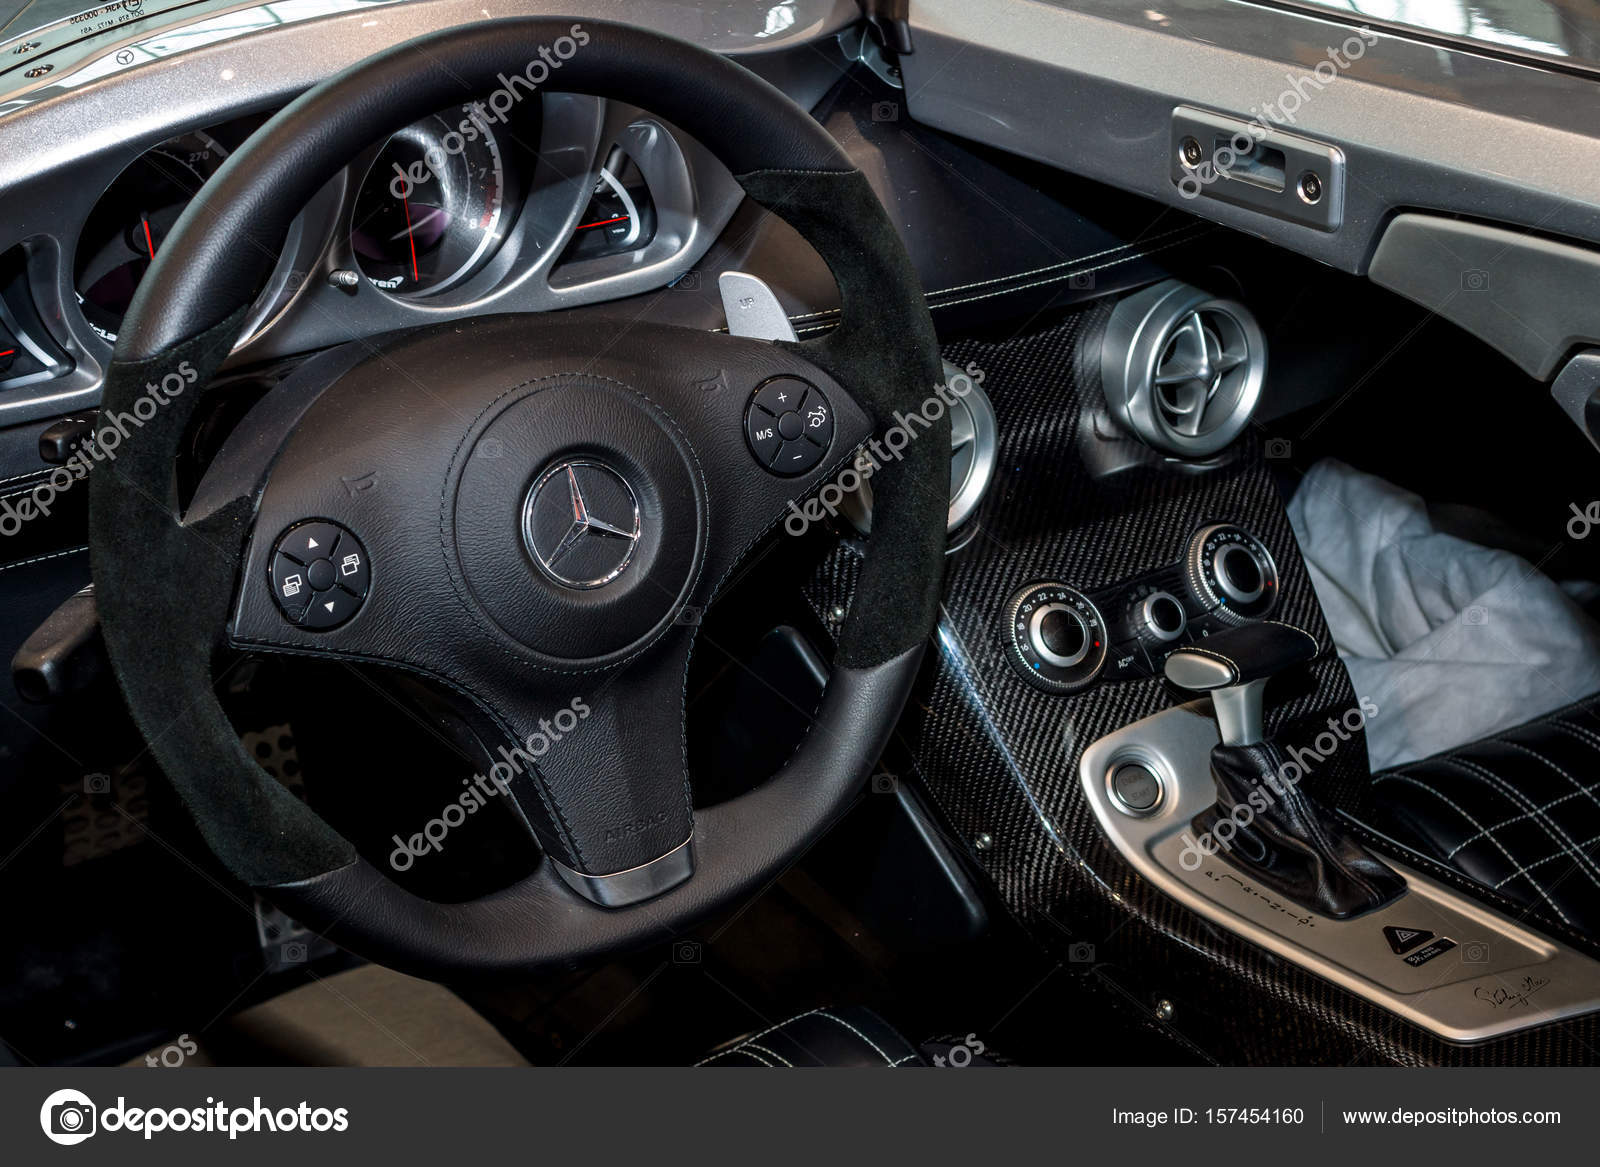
{"x":752,"y":309}
{"x":1433,"y":956}
{"x":636,"y":884}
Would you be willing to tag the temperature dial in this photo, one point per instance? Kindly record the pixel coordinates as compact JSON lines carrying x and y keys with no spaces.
{"x":1231,"y":573}
{"x":1057,"y":637}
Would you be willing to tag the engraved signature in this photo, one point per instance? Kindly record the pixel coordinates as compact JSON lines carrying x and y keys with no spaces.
{"x":1513,"y":996}
{"x":1229,"y":877}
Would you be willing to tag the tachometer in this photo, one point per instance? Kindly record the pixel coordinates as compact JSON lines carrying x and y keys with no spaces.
{"x":129,"y":223}
{"x":430,"y":209}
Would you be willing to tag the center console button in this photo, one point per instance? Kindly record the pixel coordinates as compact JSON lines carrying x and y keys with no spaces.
{"x":1135,"y":788}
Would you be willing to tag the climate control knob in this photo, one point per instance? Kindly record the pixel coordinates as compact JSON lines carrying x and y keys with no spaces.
{"x":1160,"y":617}
{"x":1231,"y":573}
{"x":1057,"y":637}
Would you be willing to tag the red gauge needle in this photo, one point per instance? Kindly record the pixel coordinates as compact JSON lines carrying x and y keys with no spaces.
{"x":148,"y":242}
{"x":602,"y":222}
{"x":411,"y":239}
{"x":8,"y":352}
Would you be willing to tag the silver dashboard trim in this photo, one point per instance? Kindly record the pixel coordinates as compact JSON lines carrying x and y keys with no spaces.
{"x":66,"y":139}
{"x":1090,"y":87}
{"x":1498,"y":978}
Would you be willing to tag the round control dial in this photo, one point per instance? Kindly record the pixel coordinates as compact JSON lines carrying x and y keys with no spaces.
{"x":1232,"y":573}
{"x":1057,"y":637}
{"x":1159,"y":616}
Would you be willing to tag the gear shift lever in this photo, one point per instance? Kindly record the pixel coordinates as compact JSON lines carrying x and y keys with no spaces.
{"x":1266,"y":824}
{"x":1234,"y":667}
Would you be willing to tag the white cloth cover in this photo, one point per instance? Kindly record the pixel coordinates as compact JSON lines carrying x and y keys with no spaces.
{"x":1451,"y":641}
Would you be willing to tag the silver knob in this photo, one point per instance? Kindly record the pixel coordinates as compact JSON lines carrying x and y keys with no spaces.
{"x":1161,"y":616}
{"x":1058,"y":634}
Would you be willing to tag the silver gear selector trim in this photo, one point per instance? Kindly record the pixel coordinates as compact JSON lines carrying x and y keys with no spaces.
{"x":1478,"y":975}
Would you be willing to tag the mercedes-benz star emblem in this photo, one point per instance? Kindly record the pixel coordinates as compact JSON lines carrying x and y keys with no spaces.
{"x":581,"y":523}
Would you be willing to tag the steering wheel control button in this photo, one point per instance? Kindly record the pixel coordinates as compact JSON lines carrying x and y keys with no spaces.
{"x":1135,"y":788}
{"x":796,"y":457}
{"x":761,"y":429}
{"x":781,"y":395}
{"x":789,"y":425}
{"x":310,"y":541}
{"x":1231,"y":573}
{"x":329,"y":609}
{"x":290,"y":586}
{"x":320,"y":574}
{"x":1057,"y":637}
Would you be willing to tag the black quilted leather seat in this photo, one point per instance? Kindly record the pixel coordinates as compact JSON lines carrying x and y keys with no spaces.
{"x":1518,"y":812}
{"x":853,"y":1036}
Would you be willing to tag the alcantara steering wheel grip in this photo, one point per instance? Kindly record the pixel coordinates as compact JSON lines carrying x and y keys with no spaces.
{"x":473,"y":574}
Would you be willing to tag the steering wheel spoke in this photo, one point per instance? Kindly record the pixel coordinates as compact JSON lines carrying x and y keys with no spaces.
{"x":596,"y":762}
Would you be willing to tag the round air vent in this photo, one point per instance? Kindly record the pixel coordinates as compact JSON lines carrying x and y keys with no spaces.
{"x":1182,"y":369}
{"x":974,"y":440}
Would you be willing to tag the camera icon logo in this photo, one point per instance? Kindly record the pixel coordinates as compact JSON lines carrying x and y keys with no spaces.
{"x":1081,"y":953}
{"x":67,"y":1117}
{"x":885,"y":111}
{"x":1474,"y":280}
{"x":686,"y":952}
{"x":885,"y":783}
{"x":1278,"y":449}
{"x":1475,"y":952}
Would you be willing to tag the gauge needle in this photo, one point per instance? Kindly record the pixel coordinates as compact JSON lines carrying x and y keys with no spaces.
{"x":416,"y":276}
{"x":602,"y":222}
{"x":148,"y":242}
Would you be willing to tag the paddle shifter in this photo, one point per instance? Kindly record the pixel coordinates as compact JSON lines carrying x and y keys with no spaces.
{"x":1263,"y":821}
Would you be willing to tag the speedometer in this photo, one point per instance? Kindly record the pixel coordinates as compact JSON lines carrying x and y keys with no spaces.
{"x":127,"y":226}
{"x":430,"y":209}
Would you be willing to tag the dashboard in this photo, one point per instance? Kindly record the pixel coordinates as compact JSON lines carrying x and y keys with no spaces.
{"x":522,"y":203}
{"x":522,"y":207}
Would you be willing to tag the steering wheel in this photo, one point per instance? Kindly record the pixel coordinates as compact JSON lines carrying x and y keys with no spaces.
{"x":527,"y":512}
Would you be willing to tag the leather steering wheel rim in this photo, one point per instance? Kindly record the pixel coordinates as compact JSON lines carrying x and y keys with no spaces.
{"x":185,"y":319}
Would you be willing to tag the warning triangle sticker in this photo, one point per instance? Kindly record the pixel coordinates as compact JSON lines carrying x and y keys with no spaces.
{"x":1403,"y":940}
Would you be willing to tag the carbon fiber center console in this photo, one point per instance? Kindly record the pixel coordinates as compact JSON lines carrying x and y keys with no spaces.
{"x":1000,"y":744}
